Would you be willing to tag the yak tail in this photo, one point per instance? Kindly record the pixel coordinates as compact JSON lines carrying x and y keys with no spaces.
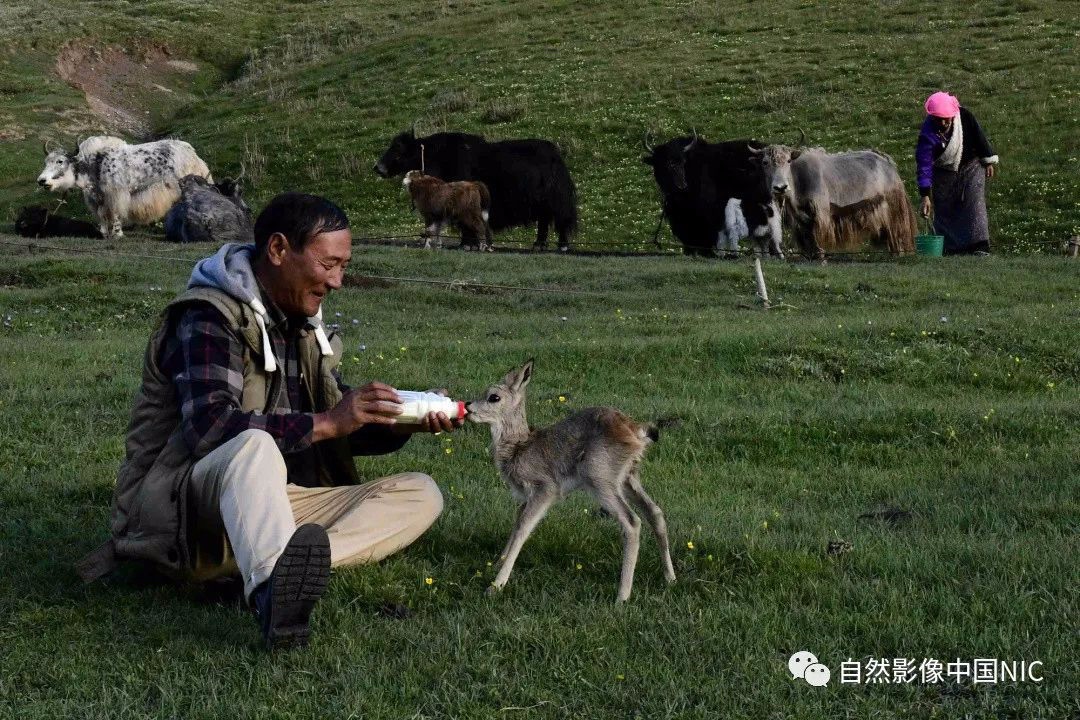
{"x":485,"y":200}
{"x":565,"y":206}
{"x":902,"y":226}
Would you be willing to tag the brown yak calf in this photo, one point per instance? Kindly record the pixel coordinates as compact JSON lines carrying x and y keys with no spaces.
{"x":465,"y":203}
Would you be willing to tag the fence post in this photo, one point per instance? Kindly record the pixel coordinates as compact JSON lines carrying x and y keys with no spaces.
{"x":762,"y":292}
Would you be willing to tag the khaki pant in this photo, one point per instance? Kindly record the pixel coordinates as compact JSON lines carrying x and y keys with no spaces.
{"x":244,"y":512}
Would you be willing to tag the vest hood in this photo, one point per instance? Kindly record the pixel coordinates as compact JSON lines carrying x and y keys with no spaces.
{"x":230,"y":270}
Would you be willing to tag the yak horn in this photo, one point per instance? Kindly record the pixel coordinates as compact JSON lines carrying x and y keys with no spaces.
{"x":756,"y":151}
{"x":693,"y":142}
{"x":647,"y":141}
{"x":802,"y":138}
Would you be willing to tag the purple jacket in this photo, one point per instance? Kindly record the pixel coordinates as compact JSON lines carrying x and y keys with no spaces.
{"x":931,"y":144}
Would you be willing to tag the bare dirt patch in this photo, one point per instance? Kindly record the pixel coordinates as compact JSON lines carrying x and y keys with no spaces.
{"x":128,"y":90}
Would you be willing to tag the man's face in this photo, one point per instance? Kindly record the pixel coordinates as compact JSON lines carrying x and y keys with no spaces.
{"x":301,"y":279}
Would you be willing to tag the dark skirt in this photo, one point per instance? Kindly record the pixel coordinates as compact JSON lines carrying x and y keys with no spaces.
{"x":960,"y":208}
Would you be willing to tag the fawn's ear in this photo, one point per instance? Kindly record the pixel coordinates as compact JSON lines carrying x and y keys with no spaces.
{"x":525,"y":374}
{"x":519,"y":377}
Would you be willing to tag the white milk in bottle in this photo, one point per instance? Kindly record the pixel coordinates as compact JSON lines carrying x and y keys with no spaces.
{"x":416,"y":405}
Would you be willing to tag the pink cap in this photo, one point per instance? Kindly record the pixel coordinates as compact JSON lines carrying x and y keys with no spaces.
{"x":461,"y":410}
{"x":942,"y":105}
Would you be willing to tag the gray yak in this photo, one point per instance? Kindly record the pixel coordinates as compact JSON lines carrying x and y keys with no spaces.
{"x":209,"y":213}
{"x":123,"y":184}
{"x":836,"y":201}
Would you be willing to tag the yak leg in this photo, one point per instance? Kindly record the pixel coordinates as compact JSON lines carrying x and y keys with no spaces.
{"x":472,"y":230}
{"x":111,"y":227}
{"x":435,"y":228}
{"x":542,"y":228}
{"x":819,"y":234}
{"x":776,"y":233}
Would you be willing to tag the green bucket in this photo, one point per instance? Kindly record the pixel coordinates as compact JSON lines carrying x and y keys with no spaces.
{"x":929,"y":244}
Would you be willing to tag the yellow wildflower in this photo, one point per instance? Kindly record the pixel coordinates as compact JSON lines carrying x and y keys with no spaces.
{"x":429,"y":581}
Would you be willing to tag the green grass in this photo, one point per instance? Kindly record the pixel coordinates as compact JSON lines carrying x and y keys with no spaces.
{"x":947,"y":389}
{"x":308,"y":94}
{"x":784,"y":428}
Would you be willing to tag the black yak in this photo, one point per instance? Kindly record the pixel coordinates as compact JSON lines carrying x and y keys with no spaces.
{"x":465,"y":203}
{"x":209,"y":213}
{"x":528,"y":179}
{"x":35,"y":221}
{"x":714,"y":194}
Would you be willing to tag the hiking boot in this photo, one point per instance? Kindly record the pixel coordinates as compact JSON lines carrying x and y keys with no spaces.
{"x":285,"y":601}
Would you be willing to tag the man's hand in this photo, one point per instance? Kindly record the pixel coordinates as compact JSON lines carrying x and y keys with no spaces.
{"x":433,"y":423}
{"x":375,"y":402}
{"x":926,"y":206}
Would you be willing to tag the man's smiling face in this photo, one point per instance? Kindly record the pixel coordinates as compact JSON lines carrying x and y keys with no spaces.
{"x":303,"y":278}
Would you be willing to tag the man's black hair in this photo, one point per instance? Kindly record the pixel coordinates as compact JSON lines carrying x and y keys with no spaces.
{"x":299,"y":217}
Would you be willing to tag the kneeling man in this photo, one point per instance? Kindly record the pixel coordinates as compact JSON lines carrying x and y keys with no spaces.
{"x":239,"y":451}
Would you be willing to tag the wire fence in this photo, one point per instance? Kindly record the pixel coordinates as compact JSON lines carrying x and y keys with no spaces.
{"x":459,"y":284}
{"x":402,"y":240}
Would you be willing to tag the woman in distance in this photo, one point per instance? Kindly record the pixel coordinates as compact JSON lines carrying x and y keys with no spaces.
{"x":954,"y":160}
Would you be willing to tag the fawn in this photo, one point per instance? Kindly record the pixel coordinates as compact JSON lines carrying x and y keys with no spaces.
{"x":597,"y":449}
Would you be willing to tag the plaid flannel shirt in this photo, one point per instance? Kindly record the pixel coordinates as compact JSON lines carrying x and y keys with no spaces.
{"x":206,"y":362}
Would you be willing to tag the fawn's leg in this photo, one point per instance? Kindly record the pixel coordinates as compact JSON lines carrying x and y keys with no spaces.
{"x":531,"y":515}
{"x":655,"y":517}
{"x":506,"y":548}
{"x":613,"y":501}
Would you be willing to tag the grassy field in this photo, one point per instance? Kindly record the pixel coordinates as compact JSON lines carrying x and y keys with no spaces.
{"x":921,"y":416}
{"x":947,"y":391}
{"x":306,"y":95}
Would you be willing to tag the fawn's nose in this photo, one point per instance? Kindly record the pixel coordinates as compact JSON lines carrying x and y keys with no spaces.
{"x":468,"y":407}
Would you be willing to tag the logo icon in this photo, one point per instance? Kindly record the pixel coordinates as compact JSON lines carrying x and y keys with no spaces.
{"x":798,"y":663}
{"x":817,"y":675}
{"x":804,"y":664}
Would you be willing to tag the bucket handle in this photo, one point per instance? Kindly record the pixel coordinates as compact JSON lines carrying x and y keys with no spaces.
{"x":928,"y":223}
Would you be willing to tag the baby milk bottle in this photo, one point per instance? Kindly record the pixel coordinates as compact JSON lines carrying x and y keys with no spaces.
{"x":416,"y":405}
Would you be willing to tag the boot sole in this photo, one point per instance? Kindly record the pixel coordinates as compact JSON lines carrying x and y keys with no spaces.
{"x":300,"y":578}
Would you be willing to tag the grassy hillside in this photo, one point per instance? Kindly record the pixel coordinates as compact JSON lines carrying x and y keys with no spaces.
{"x":920,"y":415}
{"x":947,"y":392}
{"x":307,"y":94}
